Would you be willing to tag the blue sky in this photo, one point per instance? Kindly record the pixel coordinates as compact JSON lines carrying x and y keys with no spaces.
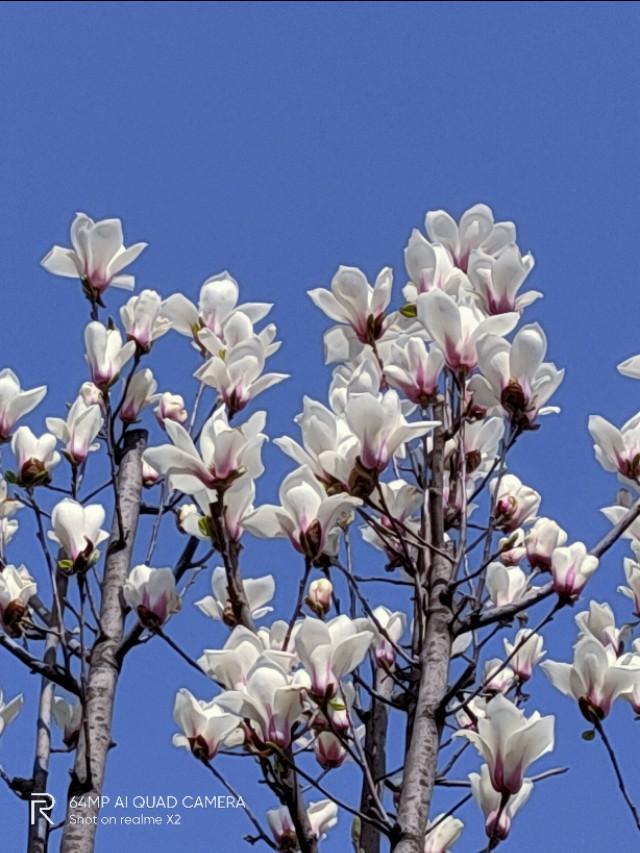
{"x":278,"y":140}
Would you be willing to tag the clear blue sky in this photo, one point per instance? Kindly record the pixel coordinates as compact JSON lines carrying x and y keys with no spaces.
{"x":278,"y":140}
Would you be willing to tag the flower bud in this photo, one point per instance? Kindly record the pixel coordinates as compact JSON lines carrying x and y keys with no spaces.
{"x":170,"y":407}
{"x":319,"y":596}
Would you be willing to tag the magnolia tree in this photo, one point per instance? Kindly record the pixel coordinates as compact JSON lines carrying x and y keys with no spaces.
{"x":386,"y":666}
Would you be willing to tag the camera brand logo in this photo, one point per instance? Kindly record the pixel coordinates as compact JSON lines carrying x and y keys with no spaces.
{"x":40,"y":807}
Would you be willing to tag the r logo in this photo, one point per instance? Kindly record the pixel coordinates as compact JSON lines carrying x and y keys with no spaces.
{"x":40,"y":806}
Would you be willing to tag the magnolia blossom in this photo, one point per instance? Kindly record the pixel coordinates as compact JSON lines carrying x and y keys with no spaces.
{"x":331,"y":650}
{"x":514,"y":503}
{"x":152,"y":594}
{"x":599,"y":622}
{"x":68,"y":717}
{"x":16,"y":588}
{"x":323,"y":816}
{"x":306,"y":515}
{"x":170,"y":406}
{"x":571,"y":568}
{"x":77,"y":530}
{"x":389,"y":627}
{"x":414,"y":369}
{"x":457,"y":329}
{"x":149,"y":474}
{"x":595,"y":679}
{"x":35,"y":457}
{"x":505,"y":584}
{"x":231,"y":665}
{"x":226,"y":453}
{"x":79,"y":431}
{"x":476,"y":230}
{"x":524,"y":653}
{"x":381,"y":428}
{"x":91,"y":394}
{"x":105,"y":353}
{"x":239,"y":377}
{"x":512,"y":549}
{"x":497,"y":814}
{"x":509,"y":742}
{"x":467,"y":717}
{"x":218,"y":301}
{"x":497,"y":677}
{"x":355,"y":304}
{"x":8,"y":504}
{"x":14,"y":402}
{"x":442,"y":833}
{"x":98,"y":255}
{"x":140,"y":392}
{"x":329,"y":750}
{"x":329,"y":447}
{"x":541,"y":541}
{"x":632,"y":591}
{"x":496,"y":281}
{"x":143,"y":319}
{"x":258,"y":593}
{"x":320,"y":596}
{"x":515,"y":378}
{"x":430,"y":268}
{"x":271,"y":701}
{"x":205,"y":726}
{"x":9,"y":710}
{"x":401,"y":501}
{"x":618,"y":449}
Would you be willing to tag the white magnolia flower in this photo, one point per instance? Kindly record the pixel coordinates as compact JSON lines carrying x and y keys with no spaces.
{"x":239,"y":377}
{"x":430,"y":268}
{"x":467,"y":717}
{"x":632,"y":591}
{"x":498,"y":816}
{"x":143,"y":319}
{"x":524,"y":653}
{"x":68,"y":717}
{"x":496,"y":281}
{"x":595,"y":679}
{"x":599,"y":622}
{"x":414,"y":369}
{"x":98,"y":255}
{"x":571,"y":568}
{"x":515,"y":378}
{"x":258,"y":592}
{"x":306,"y":515}
{"x":328,"y":447}
{"x":152,"y":594}
{"x":105,"y":353}
{"x":480,"y":442}
{"x":149,"y":474}
{"x":475,"y":230}
{"x":442,"y":833}
{"x":140,"y":393}
{"x":496,"y":677}
{"x":9,"y":710}
{"x":514,"y":503}
{"x":618,"y":449}
{"x":8,"y":529}
{"x":218,"y":301}
{"x":457,"y":329}
{"x":331,"y":650}
{"x":394,"y":624}
{"x":77,"y":530}
{"x":170,"y":406}
{"x":79,"y":431}
{"x":231,"y":665}
{"x":205,"y":726}
{"x":362,"y":375}
{"x":14,"y":402}
{"x":226,"y":453}
{"x":512,"y":549}
{"x":35,"y":457}
{"x":357,"y":306}
{"x":271,"y":701}
{"x":509,"y":742}
{"x":505,"y":584}
{"x":541,"y":541}
{"x":323,"y":815}
{"x":401,"y":500}
{"x":8,"y":504}
{"x":16,"y":589}
{"x":91,"y":394}
{"x":381,"y":428}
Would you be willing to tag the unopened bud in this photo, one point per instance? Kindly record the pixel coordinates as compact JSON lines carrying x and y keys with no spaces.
{"x":319,"y":596}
